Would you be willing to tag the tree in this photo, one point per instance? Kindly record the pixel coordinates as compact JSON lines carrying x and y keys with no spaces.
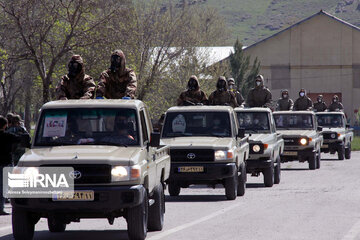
{"x":243,"y":74}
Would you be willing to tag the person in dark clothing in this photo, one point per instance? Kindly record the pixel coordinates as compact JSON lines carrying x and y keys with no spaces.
{"x":259,"y":96}
{"x":336,"y":105}
{"x":6,"y":142}
{"x":284,"y":103}
{"x":232,"y":87}
{"x":193,"y":95}
{"x":303,"y":102}
{"x":320,"y":105}
{"x":222,"y":96}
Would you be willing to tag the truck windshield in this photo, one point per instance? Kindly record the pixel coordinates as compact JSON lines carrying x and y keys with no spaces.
{"x":197,"y":124}
{"x":254,"y":122}
{"x":294,"y":121}
{"x":330,"y":120}
{"x":80,"y":126}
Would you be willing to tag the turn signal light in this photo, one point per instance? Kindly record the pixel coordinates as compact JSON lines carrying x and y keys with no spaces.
{"x":230,"y":154}
{"x":135,"y":172}
{"x":266,"y":146}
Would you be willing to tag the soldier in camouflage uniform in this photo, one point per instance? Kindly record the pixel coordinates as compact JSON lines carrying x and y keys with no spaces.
{"x":222,"y":96}
{"x":118,"y":81}
{"x":76,"y":84}
{"x":193,"y":95}
{"x":336,"y":105}
{"x":259,"y":96}
{"x":320,"y":105}
{"x":303,"y":102}
{"x":232,"y":88}
{"x":284,"y":103}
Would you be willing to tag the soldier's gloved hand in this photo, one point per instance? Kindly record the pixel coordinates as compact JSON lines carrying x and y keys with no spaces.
{"x":99,"y":97}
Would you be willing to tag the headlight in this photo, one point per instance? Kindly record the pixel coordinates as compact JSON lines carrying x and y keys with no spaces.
{"x":303,"y":141}
{"x":256,"y":148}
{"x":333,"y":135}
{"x":224,"y":155}
{"x":121,"y":173}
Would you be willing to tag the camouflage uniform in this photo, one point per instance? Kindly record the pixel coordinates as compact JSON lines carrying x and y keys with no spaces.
{"x":222,"y":96}
{"x":284,"y":103}
{"x":238,"y":95}
{"x":259,"y":96}
{"x":320,"y":105}
{"x":80,"y":86}
{"x":118,"y":81}
{"x":193,"y":95}
{"x":336,"y":105}
{"x":303,"y":102}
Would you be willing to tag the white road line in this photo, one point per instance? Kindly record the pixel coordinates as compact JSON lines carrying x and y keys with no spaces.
{"x":190,"y":224}
{"x":5,"y":228}
{"x":353,"y":233}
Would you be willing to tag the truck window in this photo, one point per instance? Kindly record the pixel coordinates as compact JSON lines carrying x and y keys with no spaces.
{"x":144,"y":126}
{"x":254,"y":122}
{"x":330,"y":120}
{"x":294,"y":121}
{"x":58,"y":127}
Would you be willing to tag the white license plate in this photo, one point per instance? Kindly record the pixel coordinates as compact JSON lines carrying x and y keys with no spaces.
{"x":290,"y":153}
{"x":325,"y":146}
{"x":75,"y":196}
{"x":190,"y":169}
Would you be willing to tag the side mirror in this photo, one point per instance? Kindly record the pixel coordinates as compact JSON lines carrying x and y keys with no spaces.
{"x":241,"y":133}
{"x":155,"y":139}
{"x":347,"y":125}
{"x":319,"y":128}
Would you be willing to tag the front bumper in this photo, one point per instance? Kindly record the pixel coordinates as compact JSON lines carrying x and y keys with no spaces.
{"x":258,"y":164}
{"x":212,"y":172}
{"x":331,"y":146}
{"x":293,"y":154}
{"x":107,"y":199}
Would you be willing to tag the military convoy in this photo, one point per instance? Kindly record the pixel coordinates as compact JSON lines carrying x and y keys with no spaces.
{"x":122,"y":169}
{"x":206,"y":147}
{"x":337,"y":134}
{"x":266,"y":145}
{"x":302,"y":137}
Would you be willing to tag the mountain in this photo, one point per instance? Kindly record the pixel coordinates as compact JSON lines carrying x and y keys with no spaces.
{"x":253,"y":20}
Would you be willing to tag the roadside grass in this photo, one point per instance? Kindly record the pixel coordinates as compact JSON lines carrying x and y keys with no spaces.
{"x":355,"y":145}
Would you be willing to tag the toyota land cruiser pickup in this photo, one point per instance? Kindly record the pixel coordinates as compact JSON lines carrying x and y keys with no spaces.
{"x":266,"y":145}
{"x":206,"y":147}
{"x":111,"y":146}
{"x":302,"y":136}
{"x":337,"y":134}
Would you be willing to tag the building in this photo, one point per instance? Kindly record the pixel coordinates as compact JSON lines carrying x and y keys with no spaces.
{"x":320,"y":53}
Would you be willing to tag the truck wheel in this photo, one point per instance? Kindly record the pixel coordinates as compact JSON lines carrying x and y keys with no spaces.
{"x":341,"y":153}
{"x":231,"y":186}
{"x":312,"y":162}
{"x":137,"y":220}
{"x":242,"y":182}
{"x":348,"y":152}
{"x":22,"y":225}
{"x":269,"y":176}
{"x":174,"y":189}
{"x":56,"y":226}
{"x":277,"y":172}
{"x":157,"y":210}
{"x":318,"y":159}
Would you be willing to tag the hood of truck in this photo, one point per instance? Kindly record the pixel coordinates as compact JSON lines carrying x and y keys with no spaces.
{"x":112,"y":155}
{"x":262,"y":137}
{"x":199,"y":142}
{"x":337,"y":130}
{"x":297,"y":132}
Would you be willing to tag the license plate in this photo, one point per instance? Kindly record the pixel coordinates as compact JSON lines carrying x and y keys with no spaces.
{"x":325,"y":146}
{"x":191,"y":169}
{"x":290,"y":153}
{"x":75,"y":196}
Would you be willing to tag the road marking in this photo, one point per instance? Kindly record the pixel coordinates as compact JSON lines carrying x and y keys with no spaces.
{"x":353,"y":233}
{"x":190,"y":224}
{"x":5,"y":228}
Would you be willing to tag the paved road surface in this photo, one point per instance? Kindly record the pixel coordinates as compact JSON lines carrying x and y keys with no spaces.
{"x":320,"y":204}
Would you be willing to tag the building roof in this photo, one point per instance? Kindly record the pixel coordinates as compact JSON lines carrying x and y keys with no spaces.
{"x":321,"y":12}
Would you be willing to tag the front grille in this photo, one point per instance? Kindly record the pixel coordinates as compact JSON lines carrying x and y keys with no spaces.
{"x":191,"y":155}
{"x":328,"y":135}
{"x":90,"y":173}
{"x":292,"y":141}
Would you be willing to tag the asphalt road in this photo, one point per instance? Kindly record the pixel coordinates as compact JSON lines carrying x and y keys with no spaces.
{"x":320,"y":204}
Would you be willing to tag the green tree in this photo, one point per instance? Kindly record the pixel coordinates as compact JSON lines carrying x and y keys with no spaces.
{"x":243,"y":73}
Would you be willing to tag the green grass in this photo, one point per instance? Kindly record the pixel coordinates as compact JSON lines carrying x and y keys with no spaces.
{"x":355,"y":145}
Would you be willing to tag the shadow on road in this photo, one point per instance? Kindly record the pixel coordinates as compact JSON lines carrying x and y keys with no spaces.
{"x":295,"y":169}
{"x":76,"y":235}
{"x":331,"y":160}
{"x":255,"y":185}
{"x":196,"y":198}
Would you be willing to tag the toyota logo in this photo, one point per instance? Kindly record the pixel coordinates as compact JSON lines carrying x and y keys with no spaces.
{"x":191,"y":156}
{"x":75,"y":174}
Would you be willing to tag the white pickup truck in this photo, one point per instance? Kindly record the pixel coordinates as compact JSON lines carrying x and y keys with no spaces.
{"x":121,"y":170}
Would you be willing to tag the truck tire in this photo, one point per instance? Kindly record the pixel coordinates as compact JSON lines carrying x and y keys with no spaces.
{"x":277,"y":172}
{"x":56,"y":226}
{"x":231,"y":187}
{"x":174,"y":189}
{"x":137,"y":220}
{"x":242,"y":182}
{"x":318,"y":159}
{"x":22,"y":225}
{"x":269,"y":176}
{"x":157,"y":210}
{"x":312,"y":162}
{"x":341,"y":153}
{"x":348,"y":152}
